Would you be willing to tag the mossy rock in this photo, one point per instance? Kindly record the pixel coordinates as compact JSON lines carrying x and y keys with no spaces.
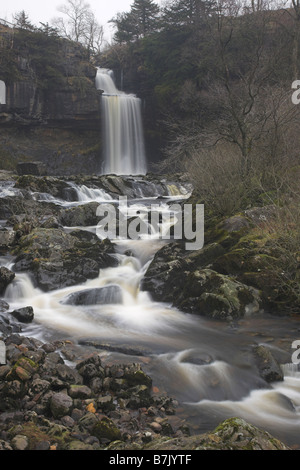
{"x":106,"y":430}
{"x":212,"y":294}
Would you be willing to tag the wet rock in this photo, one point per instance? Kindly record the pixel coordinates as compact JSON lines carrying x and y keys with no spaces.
{"x":7,"y":237}
{"x":56,"y":187}
{"x":6,"y":277}
{"x":60,"y":405}
{"x":80,"y":391}
{"x":88,"y":421}
{"x":24,"y":315}
{"x":217,"y":296}
{"x":99,"y":296}
{"x":80,"y":216}
{"x":57,"y":259}
{"x":4,"y":306}
{"x":268,"y":366}
{"x":106,"y":430}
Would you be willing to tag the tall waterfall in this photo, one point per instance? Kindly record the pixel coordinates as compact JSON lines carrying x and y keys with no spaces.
{"x":124,"y":151}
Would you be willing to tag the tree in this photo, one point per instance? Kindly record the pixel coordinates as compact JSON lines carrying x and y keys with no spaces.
{"x":187,"y":12}
{"x":244,"y":99}
{"x":142,"y":20}
{"x":146,"y":14}
{"x":22,"y":21}
{"x":79,"y":24}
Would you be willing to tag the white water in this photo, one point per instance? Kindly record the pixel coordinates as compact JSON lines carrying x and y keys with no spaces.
{"x":124,"y":151}
{"x":206,"y":365}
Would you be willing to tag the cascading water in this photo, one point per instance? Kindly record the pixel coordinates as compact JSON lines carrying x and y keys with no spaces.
{"x":124,"y":151}
{"x":207,"y":366}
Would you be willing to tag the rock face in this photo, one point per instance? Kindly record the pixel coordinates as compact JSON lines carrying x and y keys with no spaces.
{"x":51,"y":96}
{"x":59,"y":93}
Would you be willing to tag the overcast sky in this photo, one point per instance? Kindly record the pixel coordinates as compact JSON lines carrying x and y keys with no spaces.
{"x":43,"y":11}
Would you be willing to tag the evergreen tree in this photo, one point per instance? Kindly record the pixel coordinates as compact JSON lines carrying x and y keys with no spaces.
{"x":187,"y":12}
{"x":22,"y":21}
{"x":142,"y":20}
{"x":146,"y":14}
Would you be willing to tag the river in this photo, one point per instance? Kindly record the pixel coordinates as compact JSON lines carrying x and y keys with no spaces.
{"x":206,"y":365}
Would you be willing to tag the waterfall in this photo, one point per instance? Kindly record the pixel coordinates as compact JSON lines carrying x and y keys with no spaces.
{"x":124,"y":151}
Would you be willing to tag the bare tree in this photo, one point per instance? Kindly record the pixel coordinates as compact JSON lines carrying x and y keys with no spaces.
{"x":79,"y":24}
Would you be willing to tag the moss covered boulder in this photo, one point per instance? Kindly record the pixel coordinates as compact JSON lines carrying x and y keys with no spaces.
{"x":211,"y":294}
{"x":57,"y":259}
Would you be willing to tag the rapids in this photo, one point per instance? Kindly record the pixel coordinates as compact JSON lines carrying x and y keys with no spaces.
{"x":206,"y":365}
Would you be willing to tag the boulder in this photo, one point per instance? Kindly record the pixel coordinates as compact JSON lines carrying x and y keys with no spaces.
{"x":80,"y":216}
{"x":6,"y":277}
{"x":106,"y":430}
{"x":268,"y":366}
{"x":232,"y":434}
{"x":23,"y":315}
{"x":60,"y":404}
{"x":211,"y":294}
{"x":186,"y":280}
{"x":57,"y":259}
{"x":30,"y":168}
{"x":7,"y":238}
{"x":99,"y":296}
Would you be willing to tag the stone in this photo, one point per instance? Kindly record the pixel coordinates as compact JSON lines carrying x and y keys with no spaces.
{"x":268,"y":366}
{"x":51,"y":256}
{"x":60,"y":404}
{"x":7,"y":238}
{"x":80,"y":391}
{"x":30,"y":168}
{"x":111,"y":294}
{"x":105,"y":429}
{"x":24,"y":315}
{"x":4,"y":306}
{"x":6,"y":277}
{"x":88,"y":421}
{"x":20,"y":442}
{"x":217,"y":296}
{"x":105,"y":403}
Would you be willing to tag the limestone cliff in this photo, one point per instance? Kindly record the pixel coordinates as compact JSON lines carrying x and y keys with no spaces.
{"x":51,"y":108}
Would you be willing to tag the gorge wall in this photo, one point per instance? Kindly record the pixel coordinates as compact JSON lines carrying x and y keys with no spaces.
{"x":51,"y":110}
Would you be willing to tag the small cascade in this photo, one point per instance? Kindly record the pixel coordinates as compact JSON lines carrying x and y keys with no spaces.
{"x":86,"y":194}
{"x":124,"y":151}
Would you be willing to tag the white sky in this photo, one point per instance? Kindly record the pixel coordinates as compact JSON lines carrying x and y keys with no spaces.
{"x":43,"y":11}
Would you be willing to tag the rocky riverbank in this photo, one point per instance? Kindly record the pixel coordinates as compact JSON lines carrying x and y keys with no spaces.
{"x":58,"y":396}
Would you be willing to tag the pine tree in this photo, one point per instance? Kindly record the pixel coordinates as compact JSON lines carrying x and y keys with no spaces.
{"x":146,"y":14}
{"x":187,"y":12}
{"x":142,"y":20}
